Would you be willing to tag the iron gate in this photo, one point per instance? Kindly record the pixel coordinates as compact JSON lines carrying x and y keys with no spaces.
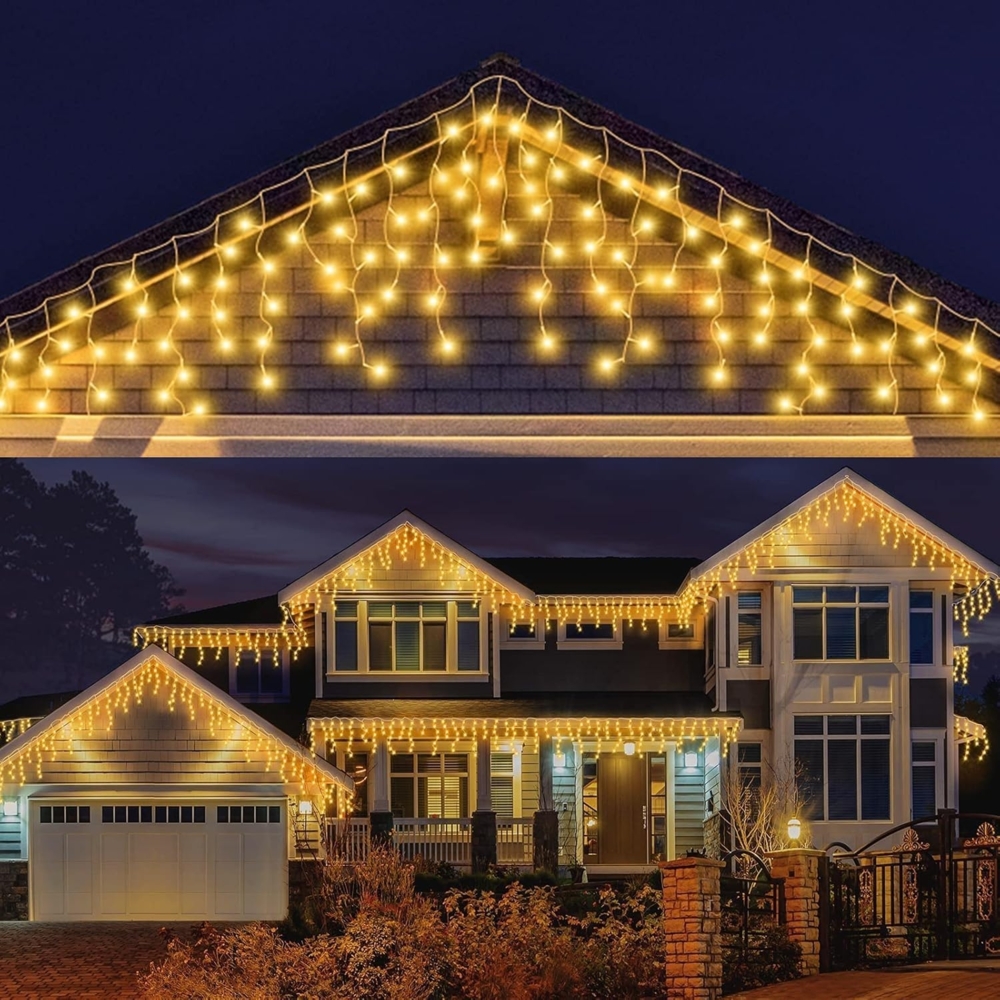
{"x":932,"y":895}
{"x":751,"y":901}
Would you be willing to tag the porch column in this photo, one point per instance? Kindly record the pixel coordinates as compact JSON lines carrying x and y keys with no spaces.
{"x":800,"y":870}
{"x":484,"y":819}
{"x":546,"y":823}
{"x":380,"y":815}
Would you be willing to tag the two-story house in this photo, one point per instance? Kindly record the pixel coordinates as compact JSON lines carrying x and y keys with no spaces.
{"x":519,"y":710}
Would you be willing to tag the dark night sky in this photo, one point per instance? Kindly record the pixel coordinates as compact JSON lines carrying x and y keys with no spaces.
{"x":115,"y":115}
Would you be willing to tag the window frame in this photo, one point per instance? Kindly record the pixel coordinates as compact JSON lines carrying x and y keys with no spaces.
{"x":936,"y":737}
{"x":857,"y":738}
{"x":734,"y":627}
{"x":363,"y":620}
{"x":695,"y":641}
{"x":260,"y":697}
{"x":507,"y":641}
{"x":931,"y":614}
{"x":857,"y":605}
{"x":614,"y":642}
{"x":415,"y":774}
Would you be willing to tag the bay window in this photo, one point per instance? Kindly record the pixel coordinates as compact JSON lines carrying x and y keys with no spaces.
{"x":840,"y":623}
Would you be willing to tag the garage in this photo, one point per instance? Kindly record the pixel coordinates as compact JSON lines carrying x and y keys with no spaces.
{"x":158,"y":858}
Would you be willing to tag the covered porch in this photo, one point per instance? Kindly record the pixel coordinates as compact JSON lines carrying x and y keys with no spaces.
{"x":549,"y":783}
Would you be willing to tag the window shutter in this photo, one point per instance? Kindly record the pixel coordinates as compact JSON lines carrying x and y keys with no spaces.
{"x":841,"y":638}
{"x":875,"y":779}
{"x":468,"y":645}
{"x":809,"y":776}
{"x":842,"y":776}
{"x":808,"y":633}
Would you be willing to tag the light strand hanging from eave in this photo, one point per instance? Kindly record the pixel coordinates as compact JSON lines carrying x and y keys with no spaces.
{"x":856,"y":507}
{"x":12,"y":728}
{"x":457,"y":150}
{"x":99,"y":715}
{"x":960,"y":664}
{"x":402,"y":735}
{"x":971,"y":735}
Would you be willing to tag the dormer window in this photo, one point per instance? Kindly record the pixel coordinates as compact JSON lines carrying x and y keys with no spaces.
{"x":408,"y":635}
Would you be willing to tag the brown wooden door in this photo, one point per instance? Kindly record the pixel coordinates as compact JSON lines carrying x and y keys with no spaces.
{"x":621,"y":801}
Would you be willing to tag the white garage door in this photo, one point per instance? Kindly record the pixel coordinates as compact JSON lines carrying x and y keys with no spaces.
{"x":158,"y":859}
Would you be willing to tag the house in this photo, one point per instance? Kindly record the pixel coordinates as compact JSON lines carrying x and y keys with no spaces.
{"x":547,"y":711}
{"x":497,"y":267}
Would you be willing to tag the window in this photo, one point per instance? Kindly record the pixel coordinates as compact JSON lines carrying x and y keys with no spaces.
{"x":590,"y":630}
{"x":407,"y":636}
{"x":658,"y":806}
{"x":345,"y":639}
{"x":260,"y":674}
{"x":678,"y":631}
{"x":921,"y":626}
{"x":840,"y":623}
{"x":432,"y":785}
{"x":502,"y":784}
{"x":153,"y":814}
{"x":64,"y":814}
{"x":468,"y":635}
{"x":749,"y":627}
{"x":842,"y":766}
{"x":923,"y":760}
{"x":748,"y":760}
{"x":357,"y":768}
{"x":247,"y":814}
{"x":591,"y":635}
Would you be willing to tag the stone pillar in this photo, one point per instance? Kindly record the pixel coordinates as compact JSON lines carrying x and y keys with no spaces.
{"x":545,"y":835}
{"x":692,"y":924}
{"x":800,"y":870}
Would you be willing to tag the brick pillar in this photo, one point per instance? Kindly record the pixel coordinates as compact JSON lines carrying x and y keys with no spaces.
{"x":800,"y":870}
{"x":484,"y":839}
{"x":692,"y":924}
{"x":545,"y":831}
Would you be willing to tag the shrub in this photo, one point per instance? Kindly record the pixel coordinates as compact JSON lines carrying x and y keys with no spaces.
{"x":378,"y":938}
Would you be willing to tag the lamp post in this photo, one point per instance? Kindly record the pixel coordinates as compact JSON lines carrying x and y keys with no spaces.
{"x":794,"y":830}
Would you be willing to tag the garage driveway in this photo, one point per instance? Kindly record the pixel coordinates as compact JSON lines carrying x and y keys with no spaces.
{"x":78,"y":961}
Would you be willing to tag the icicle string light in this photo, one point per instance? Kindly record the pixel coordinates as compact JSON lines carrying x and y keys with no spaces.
{"x":151,"y":679}
{"x":468,"y":146}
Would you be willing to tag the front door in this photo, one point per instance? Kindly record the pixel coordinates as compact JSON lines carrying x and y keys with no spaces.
{"x":621,"y":808}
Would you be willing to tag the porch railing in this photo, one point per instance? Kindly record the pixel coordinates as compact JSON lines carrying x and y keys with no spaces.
{"x":515,"y":843}
{"x":437,"y":841}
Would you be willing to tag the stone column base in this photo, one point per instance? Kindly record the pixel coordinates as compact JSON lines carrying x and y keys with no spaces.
{"x":484,"y":840}
{"x":545,"y":831}
{"x":800,"y":870}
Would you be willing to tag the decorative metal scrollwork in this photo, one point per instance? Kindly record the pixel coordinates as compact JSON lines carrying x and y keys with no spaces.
{"x":911,"y":894}
{"x":986,"y":836}
{"x":910,"y":844}
{"x":866,"y":887}
{"x":986,"y":874}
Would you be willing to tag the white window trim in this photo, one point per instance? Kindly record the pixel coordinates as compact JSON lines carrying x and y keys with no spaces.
{"x":697,"y":640}
{"x":934,"y":611}
{"x":937,"y":737}
{"x":260,"y":699}
{"x":507,"y":642}
{"x":451,"y":671}
{"x":765,"y":632}
{"x":515,"y":777}
{"x":890,"y":605}
{"x":615,"y":642}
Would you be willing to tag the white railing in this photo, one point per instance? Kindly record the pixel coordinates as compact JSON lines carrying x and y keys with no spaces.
{"x":447,"y":841}
{"x":348,"y":839}
{"x":515,"y":841}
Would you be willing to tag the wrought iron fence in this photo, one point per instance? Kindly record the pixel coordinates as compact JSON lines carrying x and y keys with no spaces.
{"x":752,"y":903}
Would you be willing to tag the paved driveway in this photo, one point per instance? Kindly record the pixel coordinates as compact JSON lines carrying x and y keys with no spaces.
{"x":969,"y":981}
{"x":76,"y":961}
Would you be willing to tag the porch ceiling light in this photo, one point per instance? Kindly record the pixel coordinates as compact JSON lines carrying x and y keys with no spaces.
{"x":629,"y":749}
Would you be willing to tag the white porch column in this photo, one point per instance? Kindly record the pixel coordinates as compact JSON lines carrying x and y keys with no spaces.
{"x":484,"y":799}
{"x":546,"y":801}
{"x":380,"y":777}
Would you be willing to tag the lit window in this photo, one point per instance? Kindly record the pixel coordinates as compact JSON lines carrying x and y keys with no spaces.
{"x":749,"y":627}
{"x":429,"y":785}
{"x":407,"y":636}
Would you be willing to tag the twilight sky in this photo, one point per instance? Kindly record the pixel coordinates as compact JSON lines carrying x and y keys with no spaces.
{"x":879,"y":116}
{"x":231,"y":529}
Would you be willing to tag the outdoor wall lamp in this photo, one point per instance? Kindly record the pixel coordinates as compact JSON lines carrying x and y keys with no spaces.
{"x":629,"y":748}
{"x":691,"y":759}
{"x":10,"y":807}
{"x":559,"y":759}
{"x":794,"y":829}
{"x":305,"y":807}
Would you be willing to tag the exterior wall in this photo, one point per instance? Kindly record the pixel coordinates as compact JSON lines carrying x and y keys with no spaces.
{"x":640,"y":665}
{"x":490,"y":312}
{"x":839,"y":553}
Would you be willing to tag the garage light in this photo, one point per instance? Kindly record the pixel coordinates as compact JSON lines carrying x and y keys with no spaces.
{"x":10,"y":807}
{"x":305,"y":807}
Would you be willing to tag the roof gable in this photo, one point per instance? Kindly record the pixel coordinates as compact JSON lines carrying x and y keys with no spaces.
{"x":406,"y":539}
{"x":153,"y":673}
{"x":855,"y":500}
{"x":922,"y":345}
